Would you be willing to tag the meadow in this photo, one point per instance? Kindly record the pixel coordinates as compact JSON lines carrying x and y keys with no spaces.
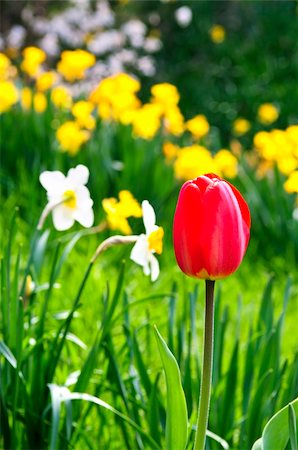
{"x":102,"y":341}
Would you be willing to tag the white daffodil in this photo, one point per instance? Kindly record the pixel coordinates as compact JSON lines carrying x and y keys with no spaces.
{"x":149,"y":243}
{"x":68,"y":198}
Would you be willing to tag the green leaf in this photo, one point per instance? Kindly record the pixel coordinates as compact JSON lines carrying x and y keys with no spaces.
{"x":276,"y":432}
{"x":292,"y":426}
{"x":61,"y":394}
{"x":176,"y":425}
{"x":218,"y":439}
{"x":5,"y":351}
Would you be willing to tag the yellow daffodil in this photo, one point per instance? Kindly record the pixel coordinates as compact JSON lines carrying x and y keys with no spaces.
{"x":61,"y":97}
{"x":119,"y":211}
{"x":291,"y":185}
{"x":227,"y":163}
{"x":33,"y":58}
{"x":8,"y":95}
{"x":174,"y":121}
{"x":198,"y":126}
{"x":4,"y":66}
{"x":170,"y":151}
{"x":193,"y":161}
{"x":241,"y":126}
{"x":116,"y":97}
{"x":217,"y":34}
{"x":39,"y":102}
{"x":165,"y":94}
{"x":292,"y":134}
{"x":267,"y":113}
{"x":82,"y":111}
{"x":278,"y":147}
{"x":287,"y":165}
{"x":146,"y":121}
{"x":26,"y":98}
{"x":71,"y":137}
{"x":46,"y":80}
{"x":74,"y":63}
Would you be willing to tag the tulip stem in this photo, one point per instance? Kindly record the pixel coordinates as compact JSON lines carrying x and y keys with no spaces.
{"x":206,"y":377}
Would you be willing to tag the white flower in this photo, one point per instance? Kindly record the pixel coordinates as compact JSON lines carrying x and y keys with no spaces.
{"x":183,"y":16}
{"x":149,"y":243}
{"x":69,"y":199}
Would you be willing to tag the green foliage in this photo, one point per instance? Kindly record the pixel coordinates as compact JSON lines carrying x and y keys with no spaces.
{"x":176,"y":426}
{"x":45,"y":365}
{"x":280,"y":429}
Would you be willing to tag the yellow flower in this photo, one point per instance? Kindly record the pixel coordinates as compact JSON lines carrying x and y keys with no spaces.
{"x":74,"y":63}
{"x":71,"y":137}
{"x":39,"y":102}
{"x":82,"y":111}
{"x":126,"y":83}
{"x":192,"y":162}
{"x":170,"y":151}
{"x":287,"y":165}
{"x":146,"y":121}
{"x":155,"y":240}
{"x":26,"y":98}
{"x":241,"y":126}
{"x":119,"y":211}
{"x":4,"y":66}
{"x":61,"y":97}
{"x":198,"y":126}
{"x":226,"y":163}
{"x":116,"y":96}
{"x":292,"y":134}
{"x":33,"y":58}
{"x":8,"y":95}
{"x":46,"y":80}
{"x":291,"y":185}
{"x":165,"y":94}
{"x":29,"y":286}
{"x":267,"y":113}
{"x":217,"y":34}
{"x":174,"y":121}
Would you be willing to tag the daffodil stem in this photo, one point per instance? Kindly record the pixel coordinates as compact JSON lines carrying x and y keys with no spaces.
{"x":206,"y":377}
{"x":110,"y":242}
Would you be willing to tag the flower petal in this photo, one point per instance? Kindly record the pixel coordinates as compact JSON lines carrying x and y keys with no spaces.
{"x":83,"y":196}
{"x":139,"y":253}
{"x":62,"y":218}
{"x":149,"y":218}
{"x":78,"y":176}
{"x":84,"y":216}
{"x":154,"y":266}
{"x":53,"y":182}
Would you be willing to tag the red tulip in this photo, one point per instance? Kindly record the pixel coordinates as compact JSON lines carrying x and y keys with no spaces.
{"x":211,"y":228}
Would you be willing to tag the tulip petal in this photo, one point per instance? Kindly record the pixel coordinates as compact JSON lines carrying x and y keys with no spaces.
{"x":224,"y":233}
{"x":242,"y":205}
{"x":187,"y":223}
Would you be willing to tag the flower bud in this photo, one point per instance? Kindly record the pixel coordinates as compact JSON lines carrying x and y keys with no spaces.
{"x":211,"y":228}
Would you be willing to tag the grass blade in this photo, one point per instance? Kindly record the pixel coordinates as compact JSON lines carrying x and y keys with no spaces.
{"x":176,"y":425}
